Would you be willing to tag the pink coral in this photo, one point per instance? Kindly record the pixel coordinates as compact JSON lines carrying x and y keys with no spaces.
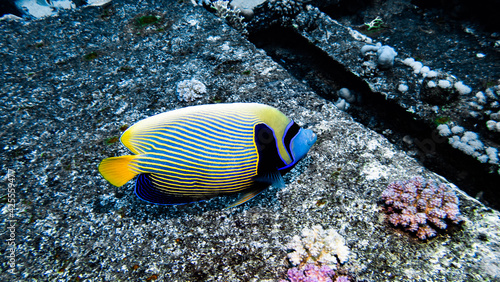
{"x":313,"y":273}
{"x":310,"y":273}
{"x":415,"y":203}
{"x":342,"y":279}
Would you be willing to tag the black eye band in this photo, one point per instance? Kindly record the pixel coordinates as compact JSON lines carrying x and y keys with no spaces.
{"x":290,"y":132}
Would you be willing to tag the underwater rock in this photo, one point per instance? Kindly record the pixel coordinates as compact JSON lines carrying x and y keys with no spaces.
{"x":58,"y":109}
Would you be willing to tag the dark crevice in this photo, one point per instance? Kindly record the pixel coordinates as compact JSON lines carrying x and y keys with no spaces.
{"x":480,"y":11}
{"x":325,"y":76}
{"x":8,"y":7}
{"x":346,"y":8}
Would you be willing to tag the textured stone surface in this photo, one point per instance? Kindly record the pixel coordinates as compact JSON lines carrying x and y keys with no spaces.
{"x":326,"y":53}
{"x":70,"y":83}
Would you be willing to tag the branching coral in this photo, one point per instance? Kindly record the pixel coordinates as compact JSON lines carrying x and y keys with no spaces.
{"x":310,"y":273}
{"x":416,"y":203}
{"x":316,"y":245}
{"x":224,"y":11}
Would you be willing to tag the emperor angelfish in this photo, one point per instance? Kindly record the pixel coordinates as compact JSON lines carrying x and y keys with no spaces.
{"x":199,"y":152}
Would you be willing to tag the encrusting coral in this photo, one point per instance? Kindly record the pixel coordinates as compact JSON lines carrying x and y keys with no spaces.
{"x":316,"y":245}
{"x":190,"y":89}
{"x":416,"y":203}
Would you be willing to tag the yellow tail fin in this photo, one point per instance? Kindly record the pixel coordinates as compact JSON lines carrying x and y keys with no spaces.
{"x":116,"y":170}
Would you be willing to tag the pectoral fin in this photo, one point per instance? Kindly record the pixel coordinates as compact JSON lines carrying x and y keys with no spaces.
{"x":273,"y":178}
{"x":247,"y":196}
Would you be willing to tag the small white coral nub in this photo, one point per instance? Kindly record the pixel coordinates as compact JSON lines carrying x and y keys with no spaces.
{"x":385,"y":54}
{"x":316,"y":245}
{"x":190,"y":89}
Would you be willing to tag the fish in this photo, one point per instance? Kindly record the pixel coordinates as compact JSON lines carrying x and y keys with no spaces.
{"x":195,"y":153}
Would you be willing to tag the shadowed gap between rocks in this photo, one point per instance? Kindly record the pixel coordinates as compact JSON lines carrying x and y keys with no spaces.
{"x":325,"y":76}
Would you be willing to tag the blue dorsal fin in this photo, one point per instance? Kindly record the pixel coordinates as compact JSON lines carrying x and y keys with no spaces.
{"x":273,"y":178}
{"x":145,"y":190}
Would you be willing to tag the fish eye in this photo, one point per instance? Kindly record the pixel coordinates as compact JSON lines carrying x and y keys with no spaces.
{"x":265,"y":136}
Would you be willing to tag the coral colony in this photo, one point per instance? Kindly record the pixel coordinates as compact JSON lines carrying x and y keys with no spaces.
{"x":418,"y":204}
{"x":316,"y":254}
{"x":313,"y":273}
{"x":316,"y":245}
{"x":190,"y":89}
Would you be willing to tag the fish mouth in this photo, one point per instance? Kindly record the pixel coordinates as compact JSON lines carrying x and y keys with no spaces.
{"x":311,"y":137}
{"x":314,"y":138}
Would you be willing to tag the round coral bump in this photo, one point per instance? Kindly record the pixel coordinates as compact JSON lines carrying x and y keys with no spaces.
{"x":295,"y":274}
{"x":408,"y":198}
{"x":413,"y":227}
{"x":451,"y":211}
{"x":399,"y":205}
{"x":427,"y":194}
{"x":406,"y":219}
{"x":388,"y":197}
{"x":342,"y":279}
{"x":438,"y":222}
{"x":396,"y":186}
{"x":425,"y":232}
{"x":418,"y":181}
{"x":411,"y":210}
{"x":450,"y":197}
{"x":395,"y":219}
{"x":436,"y":202}
{"x":327,"y":270}
{"x":410,"y":187}
{"x":436,"y":212}
{"x":421,"y":218}
{"x":442,"y":188}
{"x":422,"y":204}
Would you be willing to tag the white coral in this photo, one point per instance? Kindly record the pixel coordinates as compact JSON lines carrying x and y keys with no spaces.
{"x":316,"y":245}
{"x":190,"y":89}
